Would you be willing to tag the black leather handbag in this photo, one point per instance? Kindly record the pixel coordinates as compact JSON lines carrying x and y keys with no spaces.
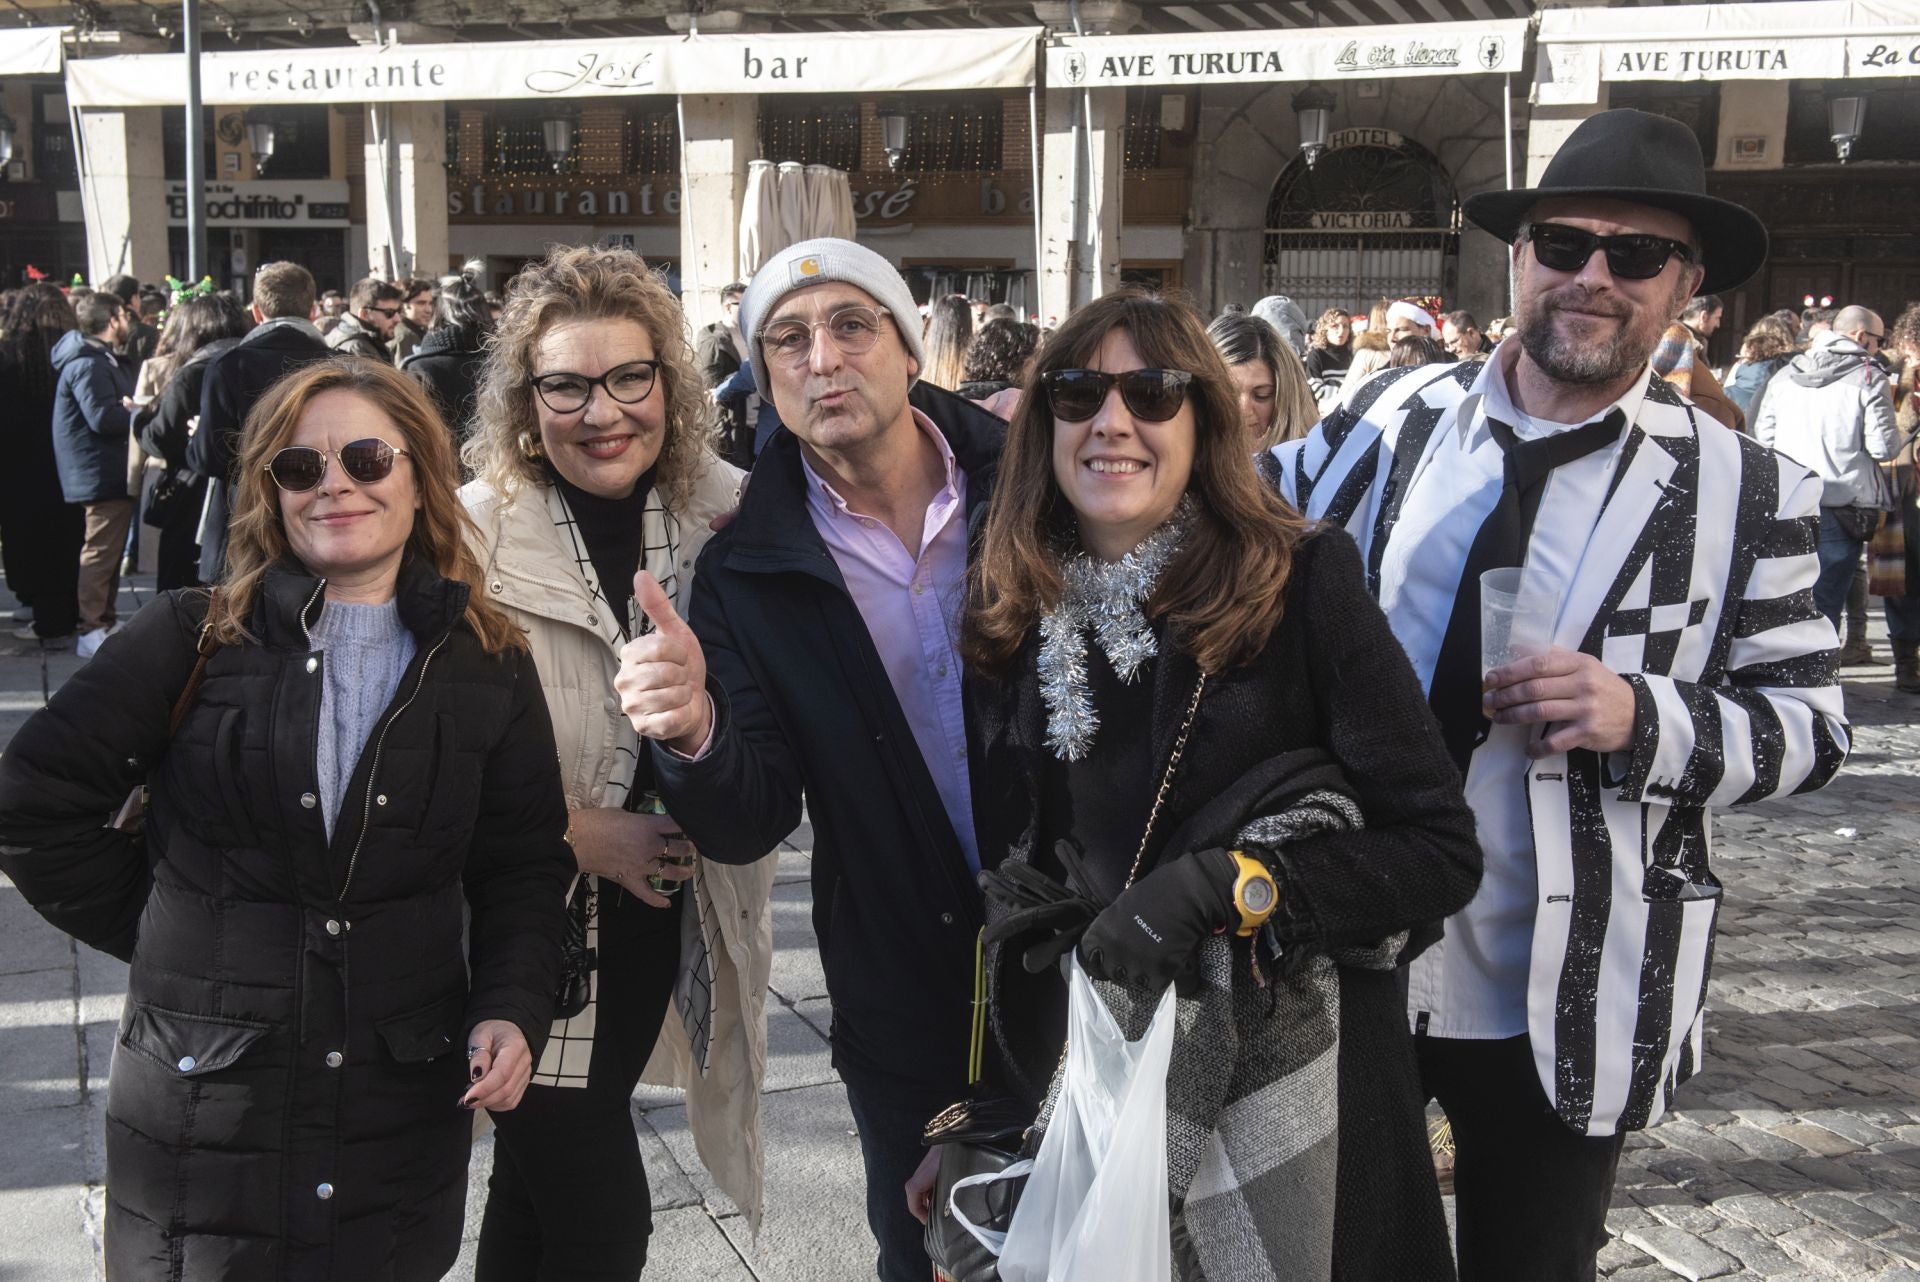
{"x":976,"y":1137}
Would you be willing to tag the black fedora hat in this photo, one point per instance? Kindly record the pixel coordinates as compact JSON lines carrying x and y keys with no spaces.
{"x":1636,"y":156}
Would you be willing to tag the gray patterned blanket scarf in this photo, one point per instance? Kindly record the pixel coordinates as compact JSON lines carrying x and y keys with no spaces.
{"x":1253,"y":1087}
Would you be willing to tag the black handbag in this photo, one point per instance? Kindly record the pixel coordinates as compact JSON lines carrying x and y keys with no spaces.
{"x":577,"y":961}
{"x":177,"y":490}
{"x":976,"y":1137}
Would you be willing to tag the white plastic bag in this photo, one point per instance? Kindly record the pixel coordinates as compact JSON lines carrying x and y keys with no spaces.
{"x":1095,"y":1207}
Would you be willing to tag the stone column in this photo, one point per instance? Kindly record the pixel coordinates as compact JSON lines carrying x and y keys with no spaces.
{"x":406,"y":189}
{"x":1751,"y":109}
{"x":718,"y":136}
{"x":123,"y":192}
{"x":1080,"y":197}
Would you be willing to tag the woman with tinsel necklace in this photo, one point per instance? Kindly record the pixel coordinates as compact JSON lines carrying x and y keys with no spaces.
{"x":1204,"y":760}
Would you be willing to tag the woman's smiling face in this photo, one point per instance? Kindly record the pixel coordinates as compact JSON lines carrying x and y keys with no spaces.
{"x":343,"y":528}
{"x":1123,"y":476}
{"x":605,"y":446}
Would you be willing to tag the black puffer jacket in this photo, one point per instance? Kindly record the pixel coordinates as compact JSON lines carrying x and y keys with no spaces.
{"x":282,"y":1101}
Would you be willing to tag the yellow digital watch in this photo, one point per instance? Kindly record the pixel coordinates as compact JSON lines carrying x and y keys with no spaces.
{"x":1254,"y":892}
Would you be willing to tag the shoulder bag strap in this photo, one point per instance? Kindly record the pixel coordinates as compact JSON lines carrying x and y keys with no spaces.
{"x":204,"y":649}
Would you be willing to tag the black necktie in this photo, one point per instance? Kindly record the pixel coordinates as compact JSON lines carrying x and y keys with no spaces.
{"x":1454,"y":694}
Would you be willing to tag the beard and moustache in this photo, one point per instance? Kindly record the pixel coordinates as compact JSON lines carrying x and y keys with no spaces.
{"x":1597,"y":361}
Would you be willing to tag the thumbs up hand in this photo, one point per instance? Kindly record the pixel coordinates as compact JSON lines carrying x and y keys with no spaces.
{"x":663,"y":675}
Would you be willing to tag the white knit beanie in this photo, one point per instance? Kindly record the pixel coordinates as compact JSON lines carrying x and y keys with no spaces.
{"x":815,"y":262}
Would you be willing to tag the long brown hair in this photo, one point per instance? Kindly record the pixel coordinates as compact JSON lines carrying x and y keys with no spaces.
{"x":1225,"y":591}
{"x":440,"y":527}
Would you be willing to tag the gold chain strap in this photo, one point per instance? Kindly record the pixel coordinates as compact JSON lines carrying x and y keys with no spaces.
{"x":1153,"y":815}
{"x":1166,"y":780}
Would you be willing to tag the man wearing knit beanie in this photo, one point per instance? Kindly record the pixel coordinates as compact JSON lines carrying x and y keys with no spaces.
{"x":820,"y":658}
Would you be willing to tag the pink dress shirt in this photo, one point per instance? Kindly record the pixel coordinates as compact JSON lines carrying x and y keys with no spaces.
{"x":911,"y":600}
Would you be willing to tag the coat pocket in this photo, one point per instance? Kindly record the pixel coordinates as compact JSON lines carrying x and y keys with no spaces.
{"x":188,"y":1044}
{"x":426,"y":1033}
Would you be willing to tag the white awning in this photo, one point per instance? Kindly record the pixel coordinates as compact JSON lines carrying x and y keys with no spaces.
{"x":1802,"y":40}
{"x":1242,"y":57}
{"x":30,"y":51}
{"x":862,"y":62}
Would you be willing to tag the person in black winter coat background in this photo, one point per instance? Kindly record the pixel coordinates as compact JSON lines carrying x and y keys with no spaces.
{"x":40,"y":531}
{"x":282,"y":340}
{"x":448,"y":359}
{"x":364,"y":760}
{"x":199,"y":330}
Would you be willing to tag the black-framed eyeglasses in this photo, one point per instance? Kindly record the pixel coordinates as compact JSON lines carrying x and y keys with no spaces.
{"x":1152,"y":395}
{"x":854,"y":329}
{"x":389,"y":313}
{"x":1561,"y":248}
{"x":299,"y":468}
{"x":566,"y":393}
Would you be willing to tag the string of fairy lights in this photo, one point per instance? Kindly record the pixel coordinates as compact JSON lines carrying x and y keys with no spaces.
{"x":968,"y":135}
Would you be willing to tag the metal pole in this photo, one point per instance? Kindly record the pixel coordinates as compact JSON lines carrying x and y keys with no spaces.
{"x":1033,"y":156}
{"x":1506,"y":102}
{"x":196,"y":154}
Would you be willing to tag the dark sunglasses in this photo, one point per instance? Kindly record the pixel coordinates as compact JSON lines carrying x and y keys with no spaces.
{"x":1561,"y":248}
{"x":299,"y":468}
{"x":1152,"y":395}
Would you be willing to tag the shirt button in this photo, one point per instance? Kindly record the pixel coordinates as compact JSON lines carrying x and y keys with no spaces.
{"x":593,"y":620}
{"x":919,"y":589}
{"x":333,"y":927}
{"x":313,"y":665}
{"x":868,"y":523}
{"x":323,"y":1192}
{"x":308,"y":801}
{"x":335,"y":1059}
{"x":940,"y":671}
{"x":186,"y":1064}
{"x":612,"y":704}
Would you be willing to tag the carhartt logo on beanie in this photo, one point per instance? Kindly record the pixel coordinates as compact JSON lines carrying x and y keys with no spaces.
{"x":815,"y":262}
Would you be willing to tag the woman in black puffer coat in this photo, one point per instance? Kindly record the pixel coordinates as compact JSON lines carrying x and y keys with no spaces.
{"x":302,"y":1019}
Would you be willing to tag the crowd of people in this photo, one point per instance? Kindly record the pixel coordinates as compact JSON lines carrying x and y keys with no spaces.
{"x":1149,"y":648}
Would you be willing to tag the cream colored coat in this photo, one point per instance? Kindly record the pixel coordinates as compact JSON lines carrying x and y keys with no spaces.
{"x":528,"y":570}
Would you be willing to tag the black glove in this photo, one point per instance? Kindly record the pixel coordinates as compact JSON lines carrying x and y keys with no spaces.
{"x":1036,"y":902}
{"x":1149,"y":934}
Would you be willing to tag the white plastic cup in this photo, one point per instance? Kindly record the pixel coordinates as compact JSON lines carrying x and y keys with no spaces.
{"x":1515,"y":621}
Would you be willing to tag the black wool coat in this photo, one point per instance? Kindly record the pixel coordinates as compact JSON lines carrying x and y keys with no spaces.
{"x":282,"y":1099}
{"x":1333,"y":678}
{"x":804,"y":706}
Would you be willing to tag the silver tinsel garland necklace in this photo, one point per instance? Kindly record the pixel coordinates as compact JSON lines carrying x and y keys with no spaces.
{"x":1105,"y":598}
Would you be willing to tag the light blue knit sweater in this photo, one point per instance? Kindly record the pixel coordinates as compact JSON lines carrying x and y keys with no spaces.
{"x":367,"y":650}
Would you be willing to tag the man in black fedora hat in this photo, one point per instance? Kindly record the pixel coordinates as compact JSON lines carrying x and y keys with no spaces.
{"x":1662,"y":656}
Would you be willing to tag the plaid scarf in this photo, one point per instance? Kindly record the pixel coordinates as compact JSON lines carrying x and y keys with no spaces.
{"x":1252,"y":1146}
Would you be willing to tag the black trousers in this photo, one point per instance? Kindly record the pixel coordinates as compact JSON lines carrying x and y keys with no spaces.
{"x":42,"y":537}
{"x":1530,"y":1194}
{"x":568,"y":1199}
{"x":891,"y":1113}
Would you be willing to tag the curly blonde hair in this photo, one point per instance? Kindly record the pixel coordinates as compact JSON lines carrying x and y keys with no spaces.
{"x":573,"y":284}
{"x":441,"y":528}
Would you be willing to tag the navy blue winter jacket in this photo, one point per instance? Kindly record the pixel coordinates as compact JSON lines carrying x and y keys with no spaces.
{"x":89,"y":422}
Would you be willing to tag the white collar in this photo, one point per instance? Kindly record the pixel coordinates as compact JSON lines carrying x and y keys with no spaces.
{"x":1489,"y":398}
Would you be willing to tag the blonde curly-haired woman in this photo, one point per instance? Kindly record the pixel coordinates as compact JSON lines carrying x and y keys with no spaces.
{"x":592,"y":457}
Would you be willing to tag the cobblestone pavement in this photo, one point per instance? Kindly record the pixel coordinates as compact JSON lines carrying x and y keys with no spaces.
{"x":1794,"y":1156}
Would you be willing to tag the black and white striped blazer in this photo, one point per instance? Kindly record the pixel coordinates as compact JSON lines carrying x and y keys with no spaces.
{"x":1697,"y":587}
